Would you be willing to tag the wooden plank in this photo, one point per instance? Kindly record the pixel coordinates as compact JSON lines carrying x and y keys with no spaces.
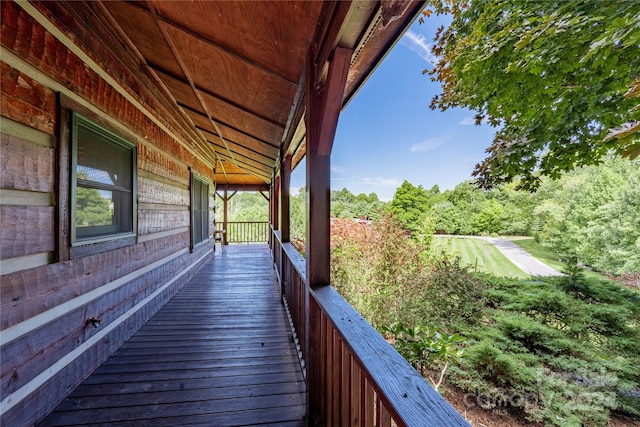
{"x":27,"y":133}
{"x":28,"y":293}
{"x":26,"y":165}
{"x":226,"y":110}
{"x":105,"y":389}
{"x":212,"y":392}
{"x":12,"y":265}
{"x":336,"y":378}
{"x":153,"y":221}
{"x":231,"y":362}
{"x":151,"y":191}
{"x":63,"y":195}
{"x":238,"y":136}
{"x":345,"y":386}
{"x":26,"y":230}
{"x":258,"y":87}
{"x":277,"y":416}
{"x":26,"y":101}
{"x":285,"y":210}
{"x":155,"y":162}
{"x":26,"y":198}
{"x":293,"y":28}
{"x":356,"y":402}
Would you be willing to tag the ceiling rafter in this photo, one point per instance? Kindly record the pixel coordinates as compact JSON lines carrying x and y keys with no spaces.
{"x":224,"y":172}
{"x":257,"y":173}
{"x":249,"y":153}
{"x":244,"y":159}
{"x":159,"y":69}
{"x":148,"y":72}
{"x":223,"y":48}
{"x":295,"y":114}
{"x":186,"y":72}
{"x":251,"y":169}
{"x":266,"y":161}
{"x":262,"y":141}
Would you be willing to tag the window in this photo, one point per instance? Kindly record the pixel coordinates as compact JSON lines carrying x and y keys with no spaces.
{"x":199,"y":210}
{"x":103,"y":184}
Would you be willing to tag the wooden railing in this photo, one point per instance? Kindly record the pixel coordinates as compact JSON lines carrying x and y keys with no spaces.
{"x":245,"y":231}
{"x":354,"y":377}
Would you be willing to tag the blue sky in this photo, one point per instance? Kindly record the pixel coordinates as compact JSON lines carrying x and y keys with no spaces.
{"x":388,"y":134}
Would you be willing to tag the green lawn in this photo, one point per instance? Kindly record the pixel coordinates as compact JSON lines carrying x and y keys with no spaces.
{"x":480,"y":255}
{"x":548,"y":257}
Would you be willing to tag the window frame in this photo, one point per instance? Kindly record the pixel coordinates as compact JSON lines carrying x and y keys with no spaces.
{"x":199,"y":214}
{"x":110,"y":233}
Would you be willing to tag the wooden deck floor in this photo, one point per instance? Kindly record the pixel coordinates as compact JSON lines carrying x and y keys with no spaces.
{"x":220,"y":353}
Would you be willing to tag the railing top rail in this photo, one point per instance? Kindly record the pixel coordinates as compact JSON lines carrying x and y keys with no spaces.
{"x":244,"y":222}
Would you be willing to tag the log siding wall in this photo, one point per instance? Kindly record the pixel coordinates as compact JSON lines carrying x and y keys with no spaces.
{"x":47,"y":348}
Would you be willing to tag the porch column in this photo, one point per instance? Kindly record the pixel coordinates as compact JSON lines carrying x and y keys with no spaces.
{"x":273,"y":212}
{"x":275,"y":188}
{"x":285,"y":190}
{"x":226,"y":214}
{"x":324,"y":102}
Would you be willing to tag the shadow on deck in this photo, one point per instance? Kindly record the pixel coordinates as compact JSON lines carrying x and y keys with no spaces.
{"x":219,"y":353}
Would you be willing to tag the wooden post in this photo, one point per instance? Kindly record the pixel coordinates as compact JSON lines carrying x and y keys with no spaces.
{"x":226,"y":214}
{"x":285,"y":193}
{"x":273,"y":212}
{"x":324,"y":102}
{"x":274,"y":202}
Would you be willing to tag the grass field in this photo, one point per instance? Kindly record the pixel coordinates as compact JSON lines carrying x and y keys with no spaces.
{"x":480,"y":255}
{"x":548,"y":257}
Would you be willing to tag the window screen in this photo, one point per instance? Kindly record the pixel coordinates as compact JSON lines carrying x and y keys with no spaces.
{"x":103,"y":183}
{"x":199,"y":209}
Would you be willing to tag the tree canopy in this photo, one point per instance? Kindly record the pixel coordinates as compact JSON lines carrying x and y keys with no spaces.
{"x":551,"y":75}
{"x":410,"y":205}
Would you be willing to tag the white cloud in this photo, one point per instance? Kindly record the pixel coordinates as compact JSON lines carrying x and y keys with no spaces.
{"x":381,"y":182}
{"x":419,"y":44}
{"x":428,"y":145}
{"x":337,"y":169}
{"x":467,"y":121}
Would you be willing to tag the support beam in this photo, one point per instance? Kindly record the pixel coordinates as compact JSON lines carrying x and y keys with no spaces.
{"x":274,"y":203}
{"x":324,"y":102}
{"x":245,"y":187}
{"x":285,"y":193}
{"x":225,"y":199}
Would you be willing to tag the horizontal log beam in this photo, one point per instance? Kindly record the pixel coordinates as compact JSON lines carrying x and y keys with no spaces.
{"x":243,"y":187}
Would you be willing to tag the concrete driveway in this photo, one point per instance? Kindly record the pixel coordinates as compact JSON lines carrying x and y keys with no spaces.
{"x":522,"y":259}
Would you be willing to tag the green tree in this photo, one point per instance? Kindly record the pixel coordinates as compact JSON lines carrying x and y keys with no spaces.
{"x":345,"y":205}
{"x":447,"y":218}
{"x":488,"y":219}
{"x":298,"y":216}
{"x":91,"y":208}
{"x":410,"y":205}
{"x":592,"y":214}
{"x":552,"y":74}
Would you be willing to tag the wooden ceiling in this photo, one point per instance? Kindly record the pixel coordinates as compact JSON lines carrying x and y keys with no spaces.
{"x":236,"y":69}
